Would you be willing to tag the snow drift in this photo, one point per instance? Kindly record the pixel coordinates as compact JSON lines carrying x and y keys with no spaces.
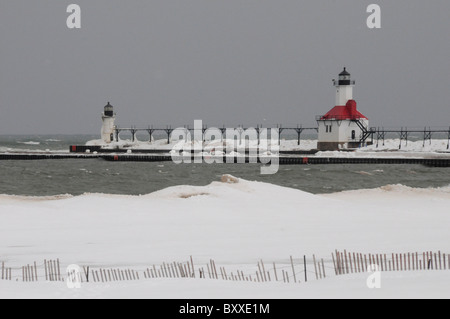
{"x":235,"y":222}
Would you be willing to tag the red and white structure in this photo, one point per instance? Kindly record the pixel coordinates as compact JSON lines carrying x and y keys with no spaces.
{"x":344,"y":126}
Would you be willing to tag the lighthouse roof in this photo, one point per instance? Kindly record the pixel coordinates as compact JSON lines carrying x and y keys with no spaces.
{"x":344,"y":112}
{"x":344,"y":73}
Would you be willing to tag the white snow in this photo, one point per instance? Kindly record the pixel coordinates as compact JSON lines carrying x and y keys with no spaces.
{"x":419,"y":284}
{"x":288,"y":145}
{"x":437,"y":145}
{"x":236,"y":224}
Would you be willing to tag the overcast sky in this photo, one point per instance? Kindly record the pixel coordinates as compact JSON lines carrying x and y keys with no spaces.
{"x":223,"y":61}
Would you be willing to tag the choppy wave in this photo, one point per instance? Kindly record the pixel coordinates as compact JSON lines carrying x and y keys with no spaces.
{"x":29,"y":143}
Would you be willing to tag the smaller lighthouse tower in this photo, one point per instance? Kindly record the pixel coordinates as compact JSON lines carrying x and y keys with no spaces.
{"x":108,"y":118}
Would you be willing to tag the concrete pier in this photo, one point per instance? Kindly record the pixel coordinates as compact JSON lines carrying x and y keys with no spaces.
{"x":284,"y":159}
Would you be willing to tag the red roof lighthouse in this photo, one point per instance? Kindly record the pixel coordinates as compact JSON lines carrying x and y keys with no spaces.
{"x":333,"y":134}
{"x":346,"y":108}
{"x":344,"y":112}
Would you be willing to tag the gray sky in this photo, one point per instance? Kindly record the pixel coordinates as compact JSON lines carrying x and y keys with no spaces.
{"x":223,"y":61}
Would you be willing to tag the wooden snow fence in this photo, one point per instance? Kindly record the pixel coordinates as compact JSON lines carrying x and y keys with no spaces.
{"x":350,"y":262}
{"x":289,"y":271}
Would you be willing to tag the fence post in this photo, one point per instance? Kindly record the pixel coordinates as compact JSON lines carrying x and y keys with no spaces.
{"x":260,"y":272}
{"x":423,"y":264}
{"x":323,"y":269}
{"x":417,"y":260}
{"x":351,"y":263}
{"x":409,"y":262}
{"x":59,"y":270}
{"x":334,"y":263}
{"x":315,"y":267}
{"x":275,"y":271}
{"x":338,"y":262}
{"x":346,"y":261}
{"x":436,"y":261}
{"x":357,"y":264}
{"x":193,"y":269}
{"x":293,"y":270}
{"x":264,"y":270}
{"x":86,"y":272}
{"x":405,"y":261}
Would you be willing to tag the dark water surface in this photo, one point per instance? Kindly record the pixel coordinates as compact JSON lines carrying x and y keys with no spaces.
{"x":54,"y":177}
{"x":78,"y":176}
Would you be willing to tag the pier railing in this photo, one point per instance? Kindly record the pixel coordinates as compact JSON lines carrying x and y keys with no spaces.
{"x":368,"y":133}
{"x":298,"y":130}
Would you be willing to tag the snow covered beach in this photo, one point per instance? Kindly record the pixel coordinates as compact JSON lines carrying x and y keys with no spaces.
{"x":237,"y":224}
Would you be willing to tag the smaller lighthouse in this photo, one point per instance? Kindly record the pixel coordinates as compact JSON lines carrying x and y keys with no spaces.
{"x":343,"y":126}
{"x":108,"y":118}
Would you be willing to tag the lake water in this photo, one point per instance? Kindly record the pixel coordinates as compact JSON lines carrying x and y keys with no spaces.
{"x":75,"y":177}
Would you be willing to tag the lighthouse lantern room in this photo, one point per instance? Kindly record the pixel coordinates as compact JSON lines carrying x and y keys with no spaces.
{"x":343,"y":126}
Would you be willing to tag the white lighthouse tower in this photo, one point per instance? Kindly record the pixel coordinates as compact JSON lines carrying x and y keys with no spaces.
{"x":108,"y":118}
{"x":344,"y":88}
{"x":343,"y":126}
